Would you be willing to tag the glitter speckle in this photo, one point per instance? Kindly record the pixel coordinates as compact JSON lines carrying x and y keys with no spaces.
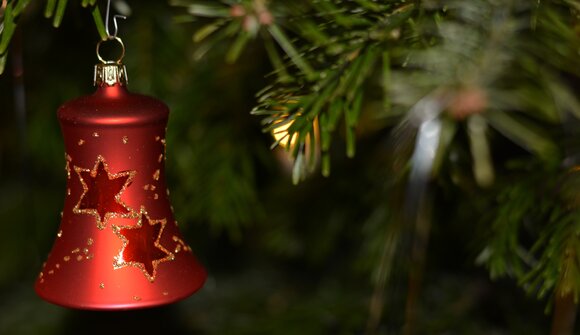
{"x":167,"y":191}
{"x":95,"y":134}
{"x":79,"y":258}
{"x":102,"y":286}
{"x":75,"y":251}
{"x":155,"y":196}
{"x":148,"y":187}
{"x":59,"y":234}
{"x":136,"y":298}
{"x":68,"y":159}
{"x":66,"y":258}
{"x":160,"y":158}
{"x":157,"y":138}
{"x":90,"y":241}
{"x":156,"y":174}
{"x":86,"y":251}
{"x":180,"y":244}
{"x":51,"y":272}
{"x":125,"y":140}
{"x":165,"y":293}
{"x":81,"y":141}
{"x":68,"y":191}
{"x":57,"y":266}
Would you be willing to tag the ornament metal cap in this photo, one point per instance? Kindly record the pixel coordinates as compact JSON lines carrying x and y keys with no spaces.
{"x":110,"y":72}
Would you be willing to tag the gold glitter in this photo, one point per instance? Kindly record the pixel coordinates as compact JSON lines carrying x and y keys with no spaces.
{"x":160,"y":159}
{"x":57,"y":266}
{"x":59,"y":234}
{"x":41,"y":274}
{"x":153,"y":187}
{"x":66,"y":258}
{"x":102,"y":286}
{"x":95,"y":134}
{"x":163,"y":141}
{"x":81,"y":141}
{"x":146,"y":187}
{"x":75,"y":251}
{"x":155,"y":196}
{"x":101,"y":224}
{"x":68,"y":191}
{"x":68,"y":159}
{"x":43,"y":265}
{"x":157,"y":138}
{"x":180,"y":244}
{"x":136,"y":298}
{"x":119,"y":262}
{"x":86,"y":251}
{"x":51,"y":272}
{"x":79,"y":258}
{"x":167,"y":191}
{"x":42,"y":281}
{"x":90,"y":241}
{"x":165,"y":293}
{"x":90,"y":256}
{"x":61,"y":214}
{"x":125,"y":140}
{"x":156,"y":174}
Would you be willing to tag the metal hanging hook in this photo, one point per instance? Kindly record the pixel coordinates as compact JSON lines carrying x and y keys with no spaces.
{"x":115,"y":25}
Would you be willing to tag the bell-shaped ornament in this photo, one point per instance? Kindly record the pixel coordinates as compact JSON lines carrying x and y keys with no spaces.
{"x":118,"y":245}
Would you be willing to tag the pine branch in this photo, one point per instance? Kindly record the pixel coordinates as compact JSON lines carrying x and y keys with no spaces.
{"x":54,"y":9}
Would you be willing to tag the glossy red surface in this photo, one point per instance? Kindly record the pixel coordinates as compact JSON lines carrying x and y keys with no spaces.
{"x":118,"y":244}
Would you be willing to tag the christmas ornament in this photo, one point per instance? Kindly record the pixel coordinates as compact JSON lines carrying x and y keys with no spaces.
{"x":118,"y":245}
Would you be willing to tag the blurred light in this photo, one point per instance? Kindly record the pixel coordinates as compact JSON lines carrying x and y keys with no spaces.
{"x":282,"y":136}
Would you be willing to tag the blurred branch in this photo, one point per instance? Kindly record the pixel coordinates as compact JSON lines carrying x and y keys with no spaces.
{"x":55,"y":9}
{"x":564,"y":315}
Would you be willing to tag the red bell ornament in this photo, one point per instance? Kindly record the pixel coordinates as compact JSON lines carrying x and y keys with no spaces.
{"x":118,"y":245}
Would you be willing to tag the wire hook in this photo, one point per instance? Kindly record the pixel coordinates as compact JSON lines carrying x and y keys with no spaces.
{"x":115,"y":25}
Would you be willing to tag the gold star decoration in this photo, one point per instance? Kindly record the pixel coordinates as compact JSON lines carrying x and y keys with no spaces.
{"x":141,"y":245}
{"x":102,"y":191}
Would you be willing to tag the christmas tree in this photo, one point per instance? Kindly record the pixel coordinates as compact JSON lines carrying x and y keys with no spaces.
{"x":340,"y":167}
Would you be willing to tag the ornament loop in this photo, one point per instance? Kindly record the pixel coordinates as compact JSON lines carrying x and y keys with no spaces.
{"x":118,"y":61}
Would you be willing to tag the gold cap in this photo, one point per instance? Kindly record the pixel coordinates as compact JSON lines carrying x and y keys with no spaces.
{"x":110,"y":73}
